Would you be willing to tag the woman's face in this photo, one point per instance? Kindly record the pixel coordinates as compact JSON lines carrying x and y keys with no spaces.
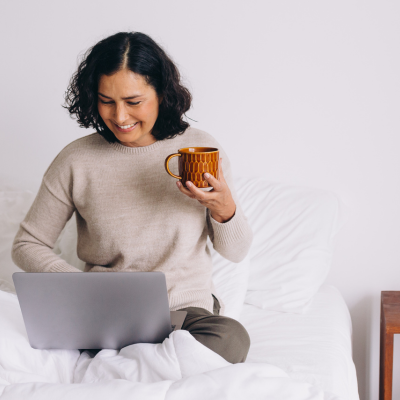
{"x":129,"y":107}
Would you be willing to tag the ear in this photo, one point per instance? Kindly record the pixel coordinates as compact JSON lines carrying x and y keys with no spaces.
{"x":160,"y":99}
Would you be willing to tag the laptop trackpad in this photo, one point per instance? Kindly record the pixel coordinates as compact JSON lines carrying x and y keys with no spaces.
{"x":177,"y":319}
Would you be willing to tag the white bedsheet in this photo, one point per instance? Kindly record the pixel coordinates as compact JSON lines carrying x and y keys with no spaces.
{"x":179,"y":368}
{"x":314,"y":347}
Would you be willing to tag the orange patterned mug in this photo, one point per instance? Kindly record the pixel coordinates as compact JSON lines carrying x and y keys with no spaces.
{"x":193,"y":163}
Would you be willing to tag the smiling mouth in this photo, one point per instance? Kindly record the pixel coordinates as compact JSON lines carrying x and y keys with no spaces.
{"x":126,"y":128}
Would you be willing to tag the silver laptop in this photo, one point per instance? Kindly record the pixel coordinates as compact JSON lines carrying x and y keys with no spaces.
{"x":95,"y":310}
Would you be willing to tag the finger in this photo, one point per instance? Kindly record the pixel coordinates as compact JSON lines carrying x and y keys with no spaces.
{"x":214,"y":182}
{"x":220,"y":171}
{"x":184,"y":190}
{"x":199,"y":194}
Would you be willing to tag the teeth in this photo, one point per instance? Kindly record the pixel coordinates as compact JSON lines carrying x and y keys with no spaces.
{"x":127,"y":126}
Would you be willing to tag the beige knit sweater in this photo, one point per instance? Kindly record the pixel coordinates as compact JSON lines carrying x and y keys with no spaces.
{"x":131,"y":217}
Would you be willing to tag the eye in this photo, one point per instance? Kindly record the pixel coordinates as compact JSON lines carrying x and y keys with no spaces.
{"x":106,"y":102}
{"x":134,"y":104}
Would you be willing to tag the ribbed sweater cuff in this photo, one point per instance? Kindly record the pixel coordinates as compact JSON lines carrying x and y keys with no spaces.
{"x":63,"y":267}
{"x":233,"y":231}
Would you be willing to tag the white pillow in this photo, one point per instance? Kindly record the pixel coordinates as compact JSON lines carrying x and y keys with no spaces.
{"x":14,"y":205}
{"x":293,"y":228}
{"x":292,"y":249}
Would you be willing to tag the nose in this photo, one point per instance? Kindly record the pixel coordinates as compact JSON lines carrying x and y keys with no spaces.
{"x":120,"y":114}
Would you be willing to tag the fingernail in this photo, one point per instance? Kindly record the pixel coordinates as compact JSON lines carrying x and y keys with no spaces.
{"x":179,"y":184}
{"x":207,"y":175}
{"x":188,"y":184}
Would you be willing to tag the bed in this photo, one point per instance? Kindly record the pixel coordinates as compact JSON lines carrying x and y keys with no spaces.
{"x":300,"y":328}
{"x":313,"y":347}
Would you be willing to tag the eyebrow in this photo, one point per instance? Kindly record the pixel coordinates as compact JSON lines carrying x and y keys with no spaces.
{"x":124,"y":98}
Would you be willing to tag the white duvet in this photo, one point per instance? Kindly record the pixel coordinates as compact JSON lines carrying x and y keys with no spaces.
{"x":178,"y":368}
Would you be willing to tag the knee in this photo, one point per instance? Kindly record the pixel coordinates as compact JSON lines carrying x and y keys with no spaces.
{"x":237,"y":342}
{"x":243,"y":340}
{"x":225,"y":336}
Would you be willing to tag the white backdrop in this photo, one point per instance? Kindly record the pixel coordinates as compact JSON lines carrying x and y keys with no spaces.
{"x":299,"y":92}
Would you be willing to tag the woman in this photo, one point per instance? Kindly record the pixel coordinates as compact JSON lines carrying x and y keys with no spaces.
{"x":129,"y":214}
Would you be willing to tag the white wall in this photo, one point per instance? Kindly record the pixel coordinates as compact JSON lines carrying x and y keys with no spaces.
{"x":300,"y":92}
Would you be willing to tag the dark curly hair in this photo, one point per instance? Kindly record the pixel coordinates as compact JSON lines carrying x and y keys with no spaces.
{"x":142,"y":55}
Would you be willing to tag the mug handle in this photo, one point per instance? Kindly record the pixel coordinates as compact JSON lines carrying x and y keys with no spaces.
{"x":167,"y":166}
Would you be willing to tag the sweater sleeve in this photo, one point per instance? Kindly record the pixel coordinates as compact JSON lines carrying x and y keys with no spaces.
{"x":38,"y":232}
{"x":231,"y":239}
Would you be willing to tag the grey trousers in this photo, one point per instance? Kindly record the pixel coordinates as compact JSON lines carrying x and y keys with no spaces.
{"x":225,"y":336}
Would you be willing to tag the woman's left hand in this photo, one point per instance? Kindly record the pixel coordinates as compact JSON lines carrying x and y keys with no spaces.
{"x":219,"y":200}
